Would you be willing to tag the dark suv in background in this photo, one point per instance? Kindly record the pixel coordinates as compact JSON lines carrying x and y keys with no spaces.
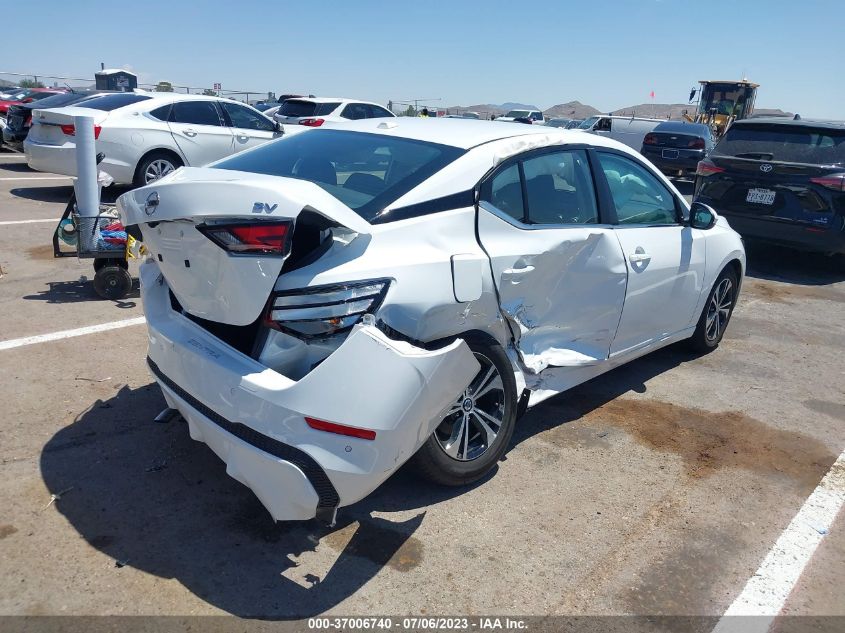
{"x":780,"y":180}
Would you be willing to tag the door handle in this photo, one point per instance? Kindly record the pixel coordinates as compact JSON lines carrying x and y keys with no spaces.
{"x":243,"y":138}
{"x":518,"y":271}
{"x":638,"y":258}
{"x":189,"y":132}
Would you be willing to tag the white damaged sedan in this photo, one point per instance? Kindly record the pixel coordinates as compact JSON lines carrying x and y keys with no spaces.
{"x":327,"y":306}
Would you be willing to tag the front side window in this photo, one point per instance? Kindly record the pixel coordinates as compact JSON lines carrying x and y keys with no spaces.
{"x":246,"y":119}
{"x":639,"y":197}
{"x":588,"y":124}
{"x":366,"y":172}
{"x":195,"y":112}
{"x":354,"y":111}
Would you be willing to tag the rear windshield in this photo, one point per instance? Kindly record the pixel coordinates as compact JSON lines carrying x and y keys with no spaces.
{"x":519,"y":114}
{"x":66,"y":98}
{"x":788,"y":143}
{"x":296,"y":107}
{"x":107,"y":103}
{"x":366,"y":172}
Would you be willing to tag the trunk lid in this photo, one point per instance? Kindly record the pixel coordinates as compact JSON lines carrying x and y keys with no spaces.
{"x":46,"y":124}
{"x":208,"y":281}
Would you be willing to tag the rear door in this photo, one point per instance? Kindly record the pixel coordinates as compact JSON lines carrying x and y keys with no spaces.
{"x":665,"y":259}
{"x":558,"y":269}
{"x":249,"y":128}
{"x":200,"y":132}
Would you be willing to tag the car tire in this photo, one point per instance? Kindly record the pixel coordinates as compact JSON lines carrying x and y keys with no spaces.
{"x":162,"y":163}
{"x":716,"y":313}
{"x":458,"y":453}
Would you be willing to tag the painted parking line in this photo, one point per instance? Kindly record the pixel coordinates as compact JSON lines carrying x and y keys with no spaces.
{"x":7,"y":222}
{"x":36,"y":178}
{"x":57,"y":336}
{"x":768,"y":589}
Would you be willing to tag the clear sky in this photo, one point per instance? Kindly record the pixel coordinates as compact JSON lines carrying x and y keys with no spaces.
{"x":608,"y":54}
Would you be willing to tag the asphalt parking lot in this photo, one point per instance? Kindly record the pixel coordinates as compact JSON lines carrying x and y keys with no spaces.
{"x":658,"y":488}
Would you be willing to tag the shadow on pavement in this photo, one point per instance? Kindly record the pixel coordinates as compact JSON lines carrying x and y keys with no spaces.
{"x":576,"y":402}
{"x":151,"y":498}
{"x":44,"y":194}
{"x":778,"y":263}
{"x":16,"y":166}
{"x":79,"y":291}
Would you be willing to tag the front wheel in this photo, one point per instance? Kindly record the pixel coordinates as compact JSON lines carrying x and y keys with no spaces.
{"x":716,"y":313}
{"x":477,"y":428}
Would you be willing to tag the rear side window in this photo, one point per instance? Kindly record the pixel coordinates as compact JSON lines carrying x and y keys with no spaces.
{"x":195,"y":112}
{"x":162,"y":113}
{"x":107,"y":103}
{"x":366,"y":172}
{"x":789,"y":143}
{"x":558,"y":190}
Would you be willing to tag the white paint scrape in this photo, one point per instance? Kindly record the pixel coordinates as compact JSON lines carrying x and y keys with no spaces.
{"x":767,"y":591}
{"x":56,"y":336}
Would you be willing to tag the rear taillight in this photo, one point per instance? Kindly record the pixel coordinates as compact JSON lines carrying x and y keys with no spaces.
{"x":696,"y":143}
{"x":70,"y":130}
{"x":28,"y":122}
{"x":650,"y":139}
{"x":256,"y":238}
{"x":831,"y":181}
{"x":707,"y":168}
{"x":312,"y":122}
{"x":323,"y":311}
{"x":340,"y":429}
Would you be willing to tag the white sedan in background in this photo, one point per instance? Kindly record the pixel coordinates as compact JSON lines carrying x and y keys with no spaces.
{"x":301,"y":113}
{"x":145,"y":136}
{"x":332,"y":304}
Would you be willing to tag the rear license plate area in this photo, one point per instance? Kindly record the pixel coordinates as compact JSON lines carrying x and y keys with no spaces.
{"x":670,"y":153}
{"x":760,"y":196}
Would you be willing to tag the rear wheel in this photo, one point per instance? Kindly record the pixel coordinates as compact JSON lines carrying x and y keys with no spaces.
{"x":154,"y":166}
{"x":716,"y":313}
{"x":477,"y":428}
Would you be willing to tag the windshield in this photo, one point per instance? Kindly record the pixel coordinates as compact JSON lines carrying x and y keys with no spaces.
{"x":789,"y":143}
{"x":586,"y":124}
{"x":519,"y":114}
{"x":366,"y":172}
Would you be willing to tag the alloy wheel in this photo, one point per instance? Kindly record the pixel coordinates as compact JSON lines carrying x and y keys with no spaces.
{"x":473,"y":422}
{"x":719,"y":310}
{"x":158,"y":169}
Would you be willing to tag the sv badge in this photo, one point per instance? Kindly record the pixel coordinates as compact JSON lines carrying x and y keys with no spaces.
{"x":263,"y":207}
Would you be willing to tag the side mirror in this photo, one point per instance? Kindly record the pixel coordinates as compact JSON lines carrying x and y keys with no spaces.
{"x":701,"y":216}
{"x":278,"y":127}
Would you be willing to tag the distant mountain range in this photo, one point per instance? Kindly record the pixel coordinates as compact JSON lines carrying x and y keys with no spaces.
{"x":578,"y":110}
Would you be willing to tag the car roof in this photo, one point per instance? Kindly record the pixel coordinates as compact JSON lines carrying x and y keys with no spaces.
{"x":331,"y":100}
{"x":456,"y":132}
{"x":681,"y":126}
{"x":790,"y":122}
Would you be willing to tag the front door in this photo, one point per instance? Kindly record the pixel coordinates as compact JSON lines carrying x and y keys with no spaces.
{"x":665,"y":259}
{"x":249,"y":128}
{"x":200,"y":132}
{"x":559,"y":271}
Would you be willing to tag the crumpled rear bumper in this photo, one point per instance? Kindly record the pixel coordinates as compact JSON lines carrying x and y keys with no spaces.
{"x":254,"y":418}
